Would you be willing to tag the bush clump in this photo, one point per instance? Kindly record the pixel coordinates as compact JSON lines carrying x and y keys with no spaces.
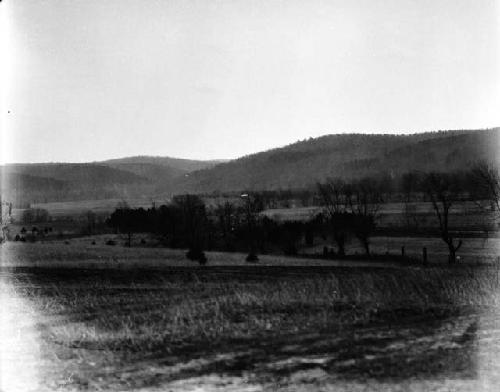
{"x":195,"y":254}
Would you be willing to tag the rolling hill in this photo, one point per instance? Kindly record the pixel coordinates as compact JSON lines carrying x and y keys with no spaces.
{"x":130,"y":177}
{"x":294,"y":166}
{"x":162,"y":171}
{"x":347,"y":156}
{"x":30,"y":183}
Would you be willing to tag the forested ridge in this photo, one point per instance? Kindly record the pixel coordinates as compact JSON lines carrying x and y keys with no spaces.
{"x":348,"y":156}
{"x":295,"y":166}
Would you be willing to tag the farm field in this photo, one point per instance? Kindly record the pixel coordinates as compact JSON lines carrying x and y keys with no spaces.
{"x":150,"y":320}
{"x":270,"y":329}
{"x":81,"y":252}
{"x":466,"y":216}
{"x":75,"y":208}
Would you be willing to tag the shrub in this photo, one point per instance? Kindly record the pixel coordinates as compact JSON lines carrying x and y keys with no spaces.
{"x":196,"y":254}
{"x":252,"y":258}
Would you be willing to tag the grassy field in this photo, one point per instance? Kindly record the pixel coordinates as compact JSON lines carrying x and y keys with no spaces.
{"x":75,"y":208}
{"x":466,"y":216}
{"x":80,"y":253}
{"x":91,"y":251}
{"x":279,"y":325}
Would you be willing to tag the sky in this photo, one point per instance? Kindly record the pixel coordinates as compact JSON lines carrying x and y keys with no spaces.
{"x":199,"y":79}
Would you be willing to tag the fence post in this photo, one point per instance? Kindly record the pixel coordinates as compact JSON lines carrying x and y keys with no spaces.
{"x":424,"y":255}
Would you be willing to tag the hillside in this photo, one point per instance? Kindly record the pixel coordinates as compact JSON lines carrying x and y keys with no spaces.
{"x":131,"y":177}
{"x":14,"y":186}
{"x":294,"y":166}
{"x":28,"y":183}
{"x":162,"y":171}
{"x":347,"y":156}
{"x":178,"y":165}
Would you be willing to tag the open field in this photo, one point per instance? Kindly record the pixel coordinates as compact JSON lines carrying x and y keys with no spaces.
{"x":230,"y":326}
{"x":183,"y":329}
{"x":465,"y":216}
{"x":64,"y":209}
{"x":80,"y":252}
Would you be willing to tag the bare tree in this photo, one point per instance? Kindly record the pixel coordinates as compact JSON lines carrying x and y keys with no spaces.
{"x":486,"y":179}
{"x":365,"y":199}
{"x":90,"y":217}
{"x":250,"y":211}
{"x":409,"y":186}
{"x":443,"y":189}
{"x":335,"y":199}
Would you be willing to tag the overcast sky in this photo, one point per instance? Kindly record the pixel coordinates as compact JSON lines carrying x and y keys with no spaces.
{"x":90,"y":80}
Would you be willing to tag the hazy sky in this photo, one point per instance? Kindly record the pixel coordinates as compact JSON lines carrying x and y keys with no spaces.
{"x":89,"y":80}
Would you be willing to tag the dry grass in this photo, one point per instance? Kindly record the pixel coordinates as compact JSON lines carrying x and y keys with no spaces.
{"x":80,"y":253}
{"x":104,"y":328}
{"x":146,"y":310}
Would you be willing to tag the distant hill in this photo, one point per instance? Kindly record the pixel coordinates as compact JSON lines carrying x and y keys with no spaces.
{"x":347,"y":156}
{"x":82,"y":173}
{"x":14,"y":186}
{"x":131,"y":177}
{"x":294,"y":166}
{"x":28,"y":183}
{"x":163,"y":171}
{"x":182,"y":166}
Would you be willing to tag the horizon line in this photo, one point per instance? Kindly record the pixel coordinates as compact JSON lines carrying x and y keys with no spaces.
{"x":223,"y":160}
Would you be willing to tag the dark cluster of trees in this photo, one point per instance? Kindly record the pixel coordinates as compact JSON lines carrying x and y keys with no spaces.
{"x":33,"y":234}
{"x":35,"y":215}
{"x":350,"y":209}
{"x":187,"y":222}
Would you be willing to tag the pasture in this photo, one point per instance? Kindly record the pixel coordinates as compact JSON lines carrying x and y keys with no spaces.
{"x":466,"y":216}
{"x":72,"y":209}
{"x":92,"y":251}
{"x":149,"y":320}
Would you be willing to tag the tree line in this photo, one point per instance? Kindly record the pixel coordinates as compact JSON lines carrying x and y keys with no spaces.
{"x":348,"y":209}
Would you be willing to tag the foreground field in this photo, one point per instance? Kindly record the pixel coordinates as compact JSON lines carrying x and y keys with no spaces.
{"x":249,"y":328}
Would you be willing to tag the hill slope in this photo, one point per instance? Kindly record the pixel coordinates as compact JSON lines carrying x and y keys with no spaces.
{"x":28,"y":183}
{"x":294,"y":166}
{"x":163,"y":171}
{"x":178,"y":165}
{"x":347,"y":156}
{"x":130,"y":177}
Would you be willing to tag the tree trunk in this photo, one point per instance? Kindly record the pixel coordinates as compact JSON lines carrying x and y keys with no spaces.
{"x":340,"y":240}
{"x":366,"y":245}
{"x":452,"y":257}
